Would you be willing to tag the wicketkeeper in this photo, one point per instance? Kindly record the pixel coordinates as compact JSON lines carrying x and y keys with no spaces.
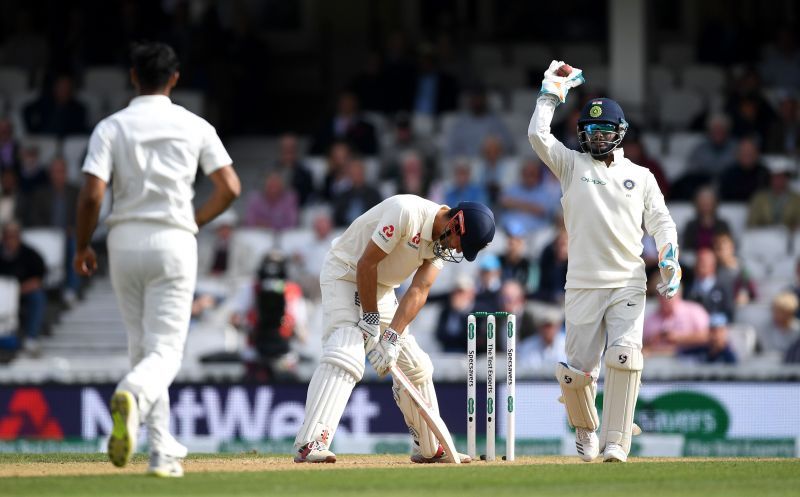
{"x":606,"y":197}
{"x":402,"y":236}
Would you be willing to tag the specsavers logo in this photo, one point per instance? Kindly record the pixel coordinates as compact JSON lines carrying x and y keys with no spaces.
{"x":593,"y":181}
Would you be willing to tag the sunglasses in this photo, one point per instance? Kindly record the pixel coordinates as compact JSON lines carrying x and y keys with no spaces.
{"x":602,"y":127}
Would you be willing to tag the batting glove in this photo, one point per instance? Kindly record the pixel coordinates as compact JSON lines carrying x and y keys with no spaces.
{"x":370,"y":325}
{"x":670,"y":271}
{"x":560,"y":85}
{"x":383,"y":353}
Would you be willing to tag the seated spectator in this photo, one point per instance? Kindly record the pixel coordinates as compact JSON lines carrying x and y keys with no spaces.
{"x":463,"y":189}
{"x":223,"y":227}
{"x":744,"y":177}
{"x":731,"y":272}
{"x":9,"y":147}
{"x":796,"y":286}
{"x":635,"y":152}
{"x":357,"y":199}
{"x":32,"y":173}
{"x":547,"y":346}
{"x":346,"y":125}
{"x":515,"y":264}
{"x":531,"y":204}
{"x":704,"y":287}
{"x":783,"y":137}
{"x":471,"y":128}
{"x":453,"y":317}
{"x":413,"y":178}
{"x":402,"y":140}
{"x":487,"y":296}
{"x":18,"y":260}
{"x":512,"y":300}
{"x":784,"y":328}
{"x":336,"y":179}
{"x":10,"y":199}
{"x":718,"y":348}
{"x":435,"y":91}
{"x":493,"y":167}
{"x":792,"y":355}
{"x":274,"y":207}
{"x":677,"y":324}
{"x":708,"y":159}
{"x":309,"y":258}
{"x":778,"y":204}
{"x":699,"y":232}
{"x":296,"y":174}
{"x":553,"y":270}
{"x":751,"y":113}
{"x":57,"y":112}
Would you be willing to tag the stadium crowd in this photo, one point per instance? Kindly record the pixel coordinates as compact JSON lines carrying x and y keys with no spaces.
{"x":417,"y":121}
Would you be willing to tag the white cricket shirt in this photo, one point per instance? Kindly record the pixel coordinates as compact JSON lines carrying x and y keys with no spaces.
{"x":402,"y":226}
{"x":151,"y":150}
{"x":604,"y":208}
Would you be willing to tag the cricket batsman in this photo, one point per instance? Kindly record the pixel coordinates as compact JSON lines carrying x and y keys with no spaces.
{"x":402,"y":236}
{"x":606,"y":197}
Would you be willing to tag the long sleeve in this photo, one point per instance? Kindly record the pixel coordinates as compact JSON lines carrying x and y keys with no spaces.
{"x":657,"y":219}
{"x":552,"y":152}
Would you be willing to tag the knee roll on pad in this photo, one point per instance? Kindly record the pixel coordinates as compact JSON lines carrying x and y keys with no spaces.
{"x":345,"y":349}
{"x":420,"y":432}
{"x":623,"y":377}
{"x":578,"y":391}
{"x":415,"y":362}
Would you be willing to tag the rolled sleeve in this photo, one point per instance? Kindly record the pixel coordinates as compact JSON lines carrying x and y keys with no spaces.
{"x":213,"y":154}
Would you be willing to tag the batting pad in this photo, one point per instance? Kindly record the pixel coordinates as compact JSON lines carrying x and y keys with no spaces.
{"x":578,"y":390}
{"x":422,"y":434}
{"x":623,"y":377}
{"x":328,"y":393}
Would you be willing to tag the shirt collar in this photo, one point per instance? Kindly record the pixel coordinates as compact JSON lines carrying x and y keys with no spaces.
{"x":427,"y":226}
{"x":150,"y":99}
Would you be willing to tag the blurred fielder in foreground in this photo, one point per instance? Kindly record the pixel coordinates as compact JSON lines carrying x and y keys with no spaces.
{"x":150,"y":152}
{"x":605,"y":199}
{"x":402,"y":236}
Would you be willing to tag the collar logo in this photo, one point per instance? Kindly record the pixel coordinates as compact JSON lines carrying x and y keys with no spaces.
{"x":593,"y":181}
{"x":629,"y":184}
{"x":388,"y":231}
{"x":595,"y":110}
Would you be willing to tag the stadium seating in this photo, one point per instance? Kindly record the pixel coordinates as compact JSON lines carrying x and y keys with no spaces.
{"x":9,"y":306}
{"x":247,"y":247}
{"x":706,"y":79}
{"x":677,"y":108}
{"x":73,"y":149}
{"x":13,"y":81}
{"x":50,"y":243}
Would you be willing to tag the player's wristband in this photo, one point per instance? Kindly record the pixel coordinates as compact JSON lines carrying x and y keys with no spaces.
{"x":373,"y":318}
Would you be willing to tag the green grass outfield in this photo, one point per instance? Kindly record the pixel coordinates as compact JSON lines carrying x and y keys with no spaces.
{"x":363,"y":476}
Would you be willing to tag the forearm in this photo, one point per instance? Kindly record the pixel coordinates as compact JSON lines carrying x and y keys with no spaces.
{"x":367,"y":283}
{"x":216,"y":204}
{"x":88,"y":212}
{"x":408,"y":308}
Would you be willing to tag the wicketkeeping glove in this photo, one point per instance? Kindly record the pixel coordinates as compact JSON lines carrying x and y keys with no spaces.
{"x":670,"y":271}
{"x":560,"y":85}
{"x":383,"y":353}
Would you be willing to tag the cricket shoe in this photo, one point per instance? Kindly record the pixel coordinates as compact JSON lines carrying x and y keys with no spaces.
{"x":164,"y":466}
{"x":440,"y":457}
{"x":587,"y":444}
{"x":124,"y":432}
{"x":316,"y":452}
{"x":614,"y":453}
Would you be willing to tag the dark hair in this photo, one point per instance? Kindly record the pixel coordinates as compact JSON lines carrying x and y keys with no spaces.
{"x":154,"y":63}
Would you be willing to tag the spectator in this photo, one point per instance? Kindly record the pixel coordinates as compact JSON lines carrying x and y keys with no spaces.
{"x":553,"y":269}
{"x":677,"y":324}
{"x":357,"y":199}
{"x":493,"y":167}
{"x":699,"y":232}
{"x":778,"y":204}
{"x":512,"y":300}
{"x":636,"y":153}
{"x":453,"y":317}
{"x":471,"y":128}
{"x":32,"y":174}
{"x":529,"y":205}
{"x":792,"y":355}
{"x":296,"y":174}
{"x":435,"y":92}
{"x":744,"y":177}
{"x":487,"y":297}
{"x":336,"y":179}
{"x":308,"y":259}
{"x":708,"y":159}
{"x":717,"y":350}
{"x":403,"y":139}
{"x":545,"y":348}
{"x":57,"y":113}
{"x":781,"y":66}
{"x":18,"y":260}
{"x":223,"y":226}
{"x":784,"y":328}
{"x":9,"y":147}
{"x":463,"y":188}
{"x":346,"y":125}
{"x":796,"y":286}
{"x":10,"y":198}
{"x":731,"y":272}
{"x":704,"y":287}
{"x":274,"y":207}
{"x":413,"y":177}
{"x":515,"y":264}
{"x":783,"y":137}
{"x":750,"y":112}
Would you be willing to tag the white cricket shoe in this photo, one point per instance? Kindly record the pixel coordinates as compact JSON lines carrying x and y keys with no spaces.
{"x":125,"y":414}
{"x":587,"y":444}
{"x":440,"y":457}
{"x":614,"y":453}
{"x":316,"y":452}
{"x":164,"y":466}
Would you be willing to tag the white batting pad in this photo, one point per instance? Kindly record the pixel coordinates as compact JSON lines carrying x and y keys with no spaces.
{"x":328,"y":393}
{"x":578,"y":391}
{"x":623,"y":377}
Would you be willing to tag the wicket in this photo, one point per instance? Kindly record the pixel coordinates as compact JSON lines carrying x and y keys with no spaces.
{"x":472,"y":334}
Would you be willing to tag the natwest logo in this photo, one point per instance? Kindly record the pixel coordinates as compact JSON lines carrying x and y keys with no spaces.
{"x":29,"y":416}
{"x":388,"y":231}
{"x":415,"y":240}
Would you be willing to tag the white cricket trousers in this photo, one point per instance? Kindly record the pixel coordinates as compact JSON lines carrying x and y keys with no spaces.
{"x":153,"y":272}
{"x":601,"y":318}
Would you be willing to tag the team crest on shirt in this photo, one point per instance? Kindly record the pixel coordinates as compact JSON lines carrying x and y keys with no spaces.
{"x":414,"y":242}
{"x":628,"y":184}
{"x":387,"y":232}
